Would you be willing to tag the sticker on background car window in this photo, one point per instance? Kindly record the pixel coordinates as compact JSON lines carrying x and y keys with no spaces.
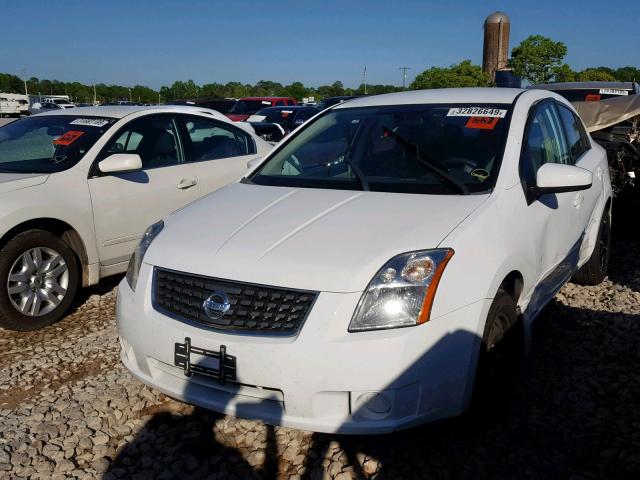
{"x":483,"y":123}
{"x":266,"y":102}
{"x":476,"y":112}
{"x":68,"y":138}
{"x":613,"y":91}
{"x":90,"y":122}
{"x":592,"y":97}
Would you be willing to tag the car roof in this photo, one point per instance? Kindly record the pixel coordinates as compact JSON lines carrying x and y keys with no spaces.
{"x":438,"y":95}
{"x":121,"y":111}
{"x":584,"y":85}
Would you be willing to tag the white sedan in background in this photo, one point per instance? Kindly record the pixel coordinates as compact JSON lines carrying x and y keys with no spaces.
{"x":380,"y":268}
{"x":78,"y":187}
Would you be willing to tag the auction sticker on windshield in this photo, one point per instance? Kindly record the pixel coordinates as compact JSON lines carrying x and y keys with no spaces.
{"x":90,"y":122}
{"x":476,"y":112}
{"x":613,"y":91}
{"x":68,"y":138}
{"x":483,"y":123}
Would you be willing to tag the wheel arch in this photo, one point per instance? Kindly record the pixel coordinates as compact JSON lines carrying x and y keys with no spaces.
{"x":59,"y":228}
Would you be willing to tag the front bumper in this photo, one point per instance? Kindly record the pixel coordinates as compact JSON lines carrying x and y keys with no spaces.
{"x":325,"y":379}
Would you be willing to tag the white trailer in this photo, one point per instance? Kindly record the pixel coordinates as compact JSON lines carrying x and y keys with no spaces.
{"x":23,"y":101}
{"x":9,"y":107}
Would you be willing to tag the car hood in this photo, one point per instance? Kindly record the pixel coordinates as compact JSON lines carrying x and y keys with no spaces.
{"x":315,"y":239}
{"x":16,"y":181}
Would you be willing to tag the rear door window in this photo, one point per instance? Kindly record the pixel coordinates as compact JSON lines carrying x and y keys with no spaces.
{"x":211,"y":139}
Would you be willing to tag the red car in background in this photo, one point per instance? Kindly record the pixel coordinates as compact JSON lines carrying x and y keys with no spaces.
{"x":245,"y":107}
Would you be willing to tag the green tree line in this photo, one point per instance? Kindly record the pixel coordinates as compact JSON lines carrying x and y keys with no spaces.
{"x":79,"y":92}
{"x":536,"y":59}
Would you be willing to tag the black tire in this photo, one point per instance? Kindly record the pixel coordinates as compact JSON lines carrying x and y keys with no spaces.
{"x":13,"y":251}
{"x":595,"y":270}
{"x":501,"y":354}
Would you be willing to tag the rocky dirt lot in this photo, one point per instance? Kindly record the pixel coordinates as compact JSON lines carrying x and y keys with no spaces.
{"x":68,"y":409}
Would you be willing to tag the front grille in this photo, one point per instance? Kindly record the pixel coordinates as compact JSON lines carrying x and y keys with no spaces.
{"x":251,"y":308}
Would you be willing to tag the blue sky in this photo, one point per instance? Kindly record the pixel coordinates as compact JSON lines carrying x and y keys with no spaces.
{"x":316,"y":42}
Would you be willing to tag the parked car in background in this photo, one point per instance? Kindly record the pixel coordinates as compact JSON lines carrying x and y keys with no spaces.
{"x":78,"y":187}
{"x":245,"y":107}
{"x":591,"y":91}
{"x":379,"y":268}
{"x":331,"y":101}
{"x":288,"y":118}
{"x":222,"y":105}
{"x":59,"y":102}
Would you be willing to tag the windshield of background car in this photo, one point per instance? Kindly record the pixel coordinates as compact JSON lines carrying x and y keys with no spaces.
{"x":248,"y":107}
{"x":395,"y":148}
{"x":593,"y":94}
{"x":48,"y":143}
{"x":275,"y":115}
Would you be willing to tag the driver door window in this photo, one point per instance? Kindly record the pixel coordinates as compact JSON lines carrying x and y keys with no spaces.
{"x":155,"y":139}
{"x":545,"y":143}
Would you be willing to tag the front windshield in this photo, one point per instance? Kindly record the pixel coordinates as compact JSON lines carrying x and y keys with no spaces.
{"x":248,"y":107}
{"x":437,"y":148}
{"x":48,"y":143}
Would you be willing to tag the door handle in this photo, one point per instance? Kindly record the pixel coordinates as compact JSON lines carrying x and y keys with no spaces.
{"x":578,"y":199}
{"x":187,"y":183}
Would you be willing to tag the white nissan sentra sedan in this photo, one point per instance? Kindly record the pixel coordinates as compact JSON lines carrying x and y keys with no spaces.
{"x":377,"y":266}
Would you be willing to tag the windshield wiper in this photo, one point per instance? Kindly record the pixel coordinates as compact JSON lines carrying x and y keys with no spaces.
{"x":346,"y":156}
{"x":427,"y":161}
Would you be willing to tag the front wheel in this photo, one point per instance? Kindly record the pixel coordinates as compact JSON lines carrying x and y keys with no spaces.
{"x":501,"y":352}
{"x":595,"y":270}
{"x":39,"y":276}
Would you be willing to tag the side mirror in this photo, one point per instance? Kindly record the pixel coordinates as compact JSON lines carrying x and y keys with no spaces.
{"x":559,"y":178}
{"x":121,"y":163}
{"x":253,"y":162}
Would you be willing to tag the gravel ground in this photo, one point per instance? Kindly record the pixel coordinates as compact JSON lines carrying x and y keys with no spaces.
{"x":68,"y":409}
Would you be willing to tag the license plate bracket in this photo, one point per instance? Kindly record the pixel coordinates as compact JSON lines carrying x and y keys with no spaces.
{"x":226,"y":363}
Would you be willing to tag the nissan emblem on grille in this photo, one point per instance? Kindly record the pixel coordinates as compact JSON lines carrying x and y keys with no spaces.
{"x":216,"y":305}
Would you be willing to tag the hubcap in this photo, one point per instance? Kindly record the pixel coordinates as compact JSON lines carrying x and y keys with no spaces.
{"x":38,"y":281}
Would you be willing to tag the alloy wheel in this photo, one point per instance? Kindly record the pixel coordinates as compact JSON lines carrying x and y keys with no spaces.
{"x":38,"y":281}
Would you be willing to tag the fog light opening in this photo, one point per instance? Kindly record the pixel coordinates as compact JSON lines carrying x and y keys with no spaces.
{"x":377,"y":403}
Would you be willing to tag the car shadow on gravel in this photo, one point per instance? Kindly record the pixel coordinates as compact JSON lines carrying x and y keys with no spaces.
{"x":187,"y":445}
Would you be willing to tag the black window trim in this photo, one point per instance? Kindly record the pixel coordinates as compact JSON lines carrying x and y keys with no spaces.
{"x":181,"y":117}
{"x":94,"y":171}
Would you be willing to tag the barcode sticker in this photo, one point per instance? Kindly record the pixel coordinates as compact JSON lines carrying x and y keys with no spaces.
{"x":476,"y":112}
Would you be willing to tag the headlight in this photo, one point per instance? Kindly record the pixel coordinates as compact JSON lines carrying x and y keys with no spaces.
{"x":401,"y":294}
{"x":138,"y":254}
